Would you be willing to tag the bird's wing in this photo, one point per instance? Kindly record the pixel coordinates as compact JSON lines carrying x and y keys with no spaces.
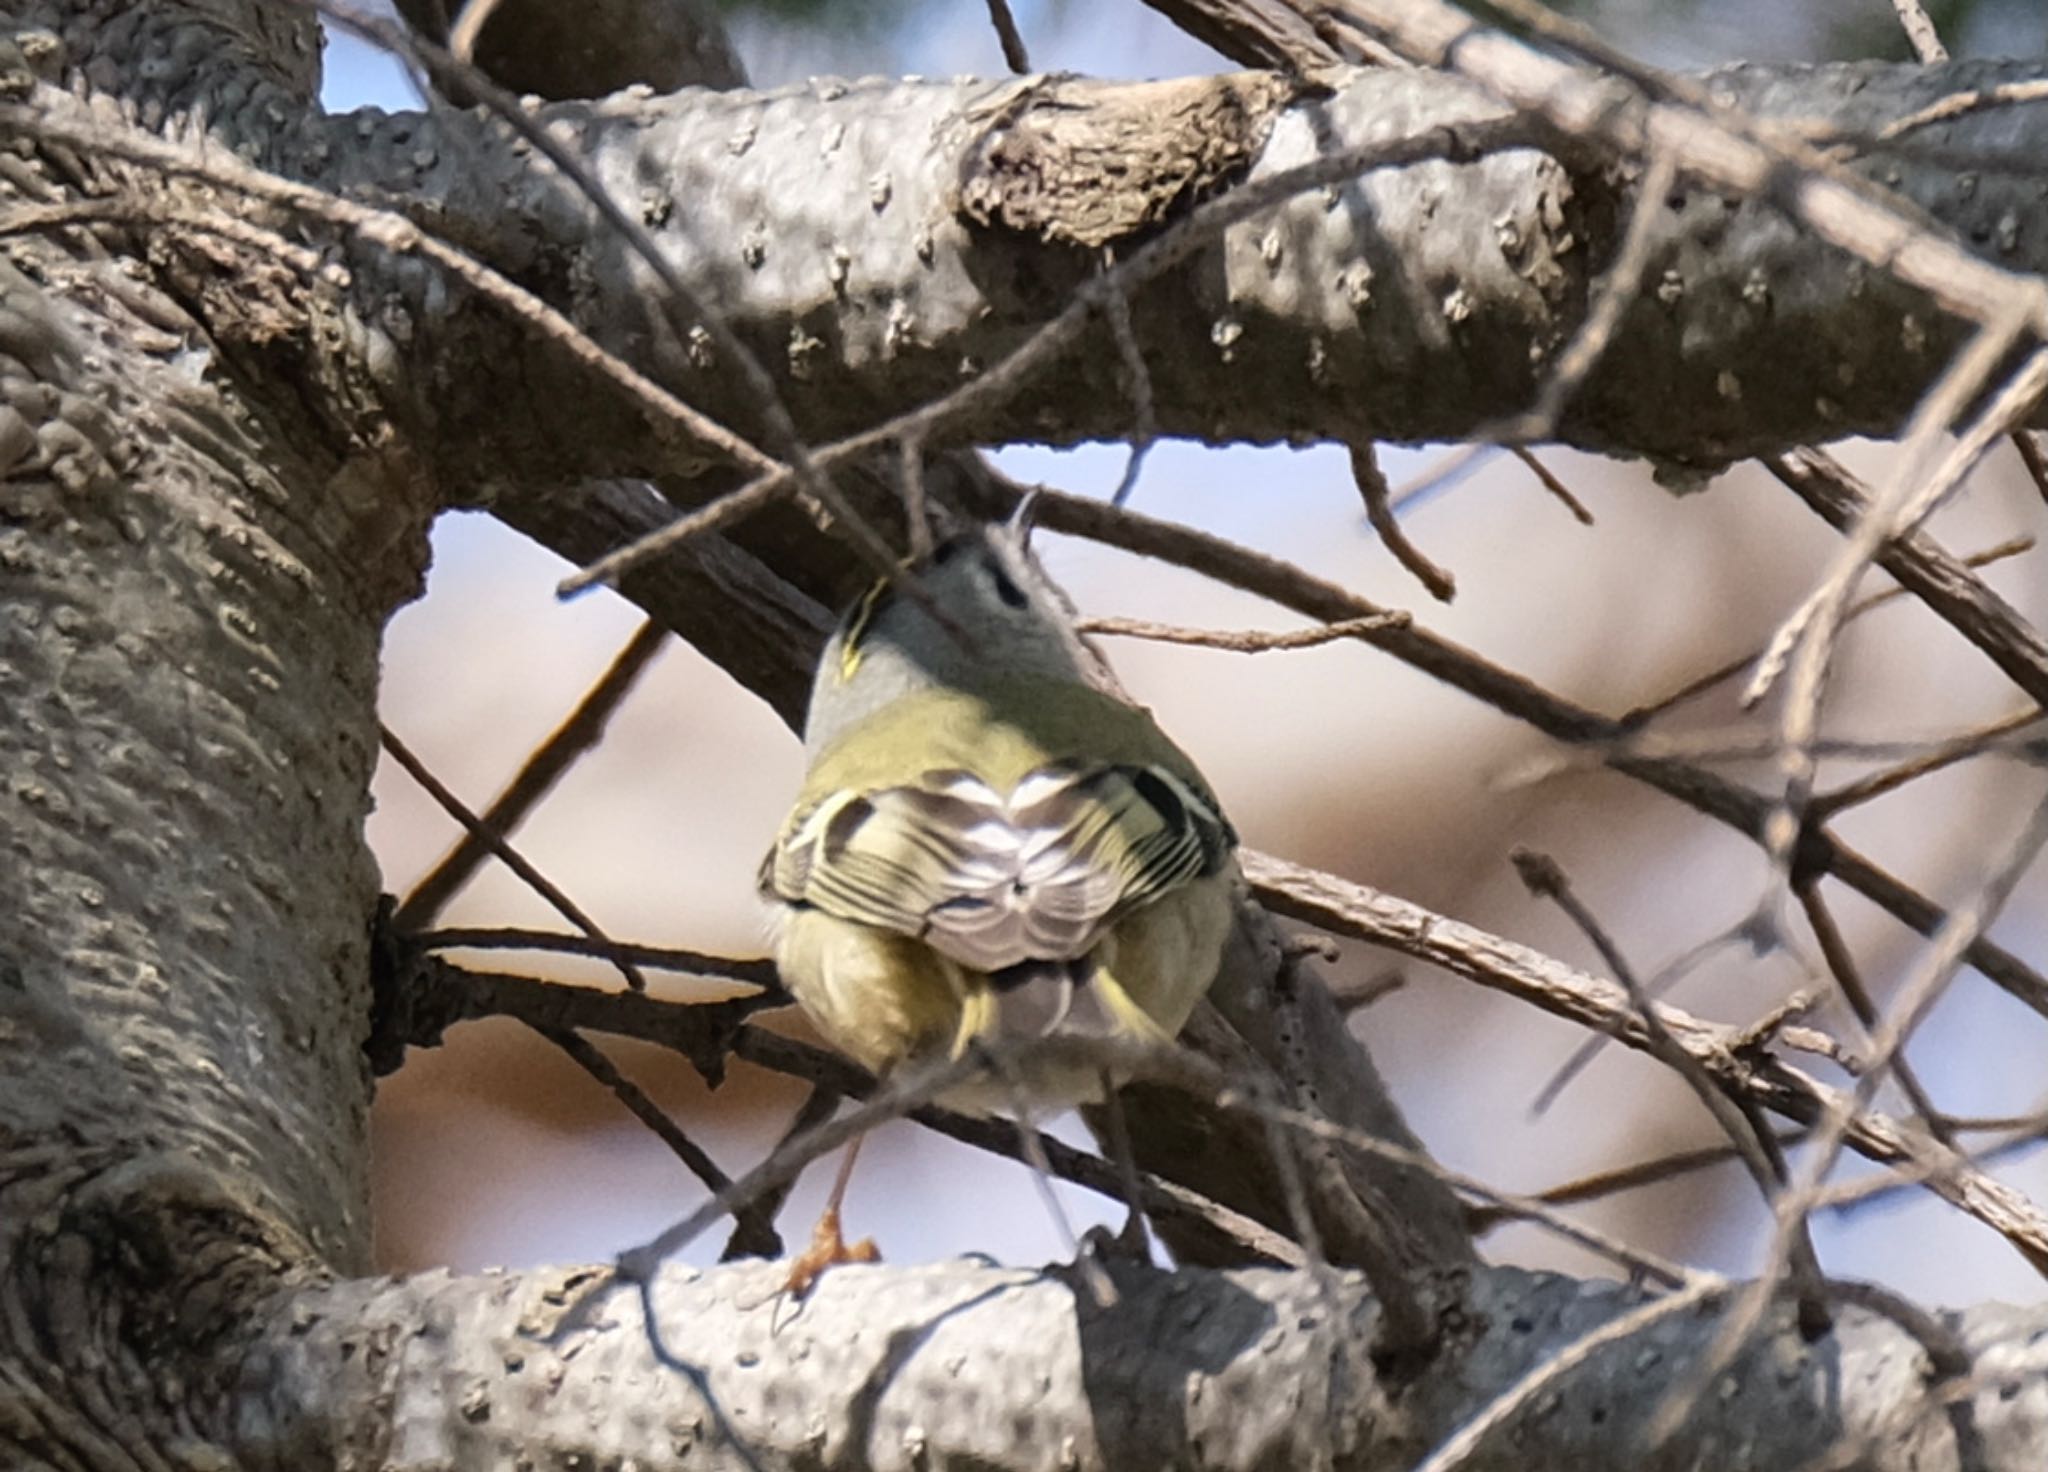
{"x":994,"y":879}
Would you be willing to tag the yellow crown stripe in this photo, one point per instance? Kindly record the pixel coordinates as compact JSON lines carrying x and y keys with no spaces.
{"x":850,"y":650}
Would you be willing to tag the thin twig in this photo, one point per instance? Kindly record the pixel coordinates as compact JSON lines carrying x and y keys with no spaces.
{"x":1344,"y":908}
{"x":1720,"y":745}
{"x":759,"y":973}
{"x":1015,"y":57}
{"x":579,"y":733}
{"x":1461,"y":1446}
{"x":1945,"y":754}
{"x":1916,"y":995}
{"x":1545,"y":879}
{"x":1804,"y":647}
{"x":1637,"y":1175}
{"x":1842,"y":1197}
{"x":2002,"y":417}
{"x":2034,"y":455}
{"x":1378,"y":497}
{"x":539,"y":883}
{"x":1655,"y":1171}
{"x":1949,"y":1363}
{"x":1721,"y":674}
{"x":912,"y":1090}
{"x":1358,"y":996}
{"x":1661,"y":982}
{"x":1841,"y":963}
{"x":1976,"y":612}
{"x":1804,"y":642}
{"x":1030,"y":1146}
{"x":916,"y":513}
{"x":1926,"y":569}
{"x":476,"y":14}
{"x":754,"y":1223}
{"x":1123,"y":1154}
{"x":1961,"y":104}
{"x":1242,"y":641}
{"x":1546,"y":478}
{"x":1920,"y":31}
{"x":1442,"y":473}
{"x":819,"y":1105}
{"x":1116,"y":310}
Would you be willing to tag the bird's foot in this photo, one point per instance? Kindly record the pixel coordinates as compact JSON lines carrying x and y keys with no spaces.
{"x":829,"y":1248}
{"x":1131,"y":1246}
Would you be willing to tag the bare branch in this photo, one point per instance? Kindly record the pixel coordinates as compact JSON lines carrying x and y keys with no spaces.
{"x":1352,"y":909}
{"x":1242,"y":641}
{"x":1551,"y":483}
{"x":754,"y":1233}
{"x":1736,"y":1117}
{"x":1266,"y":34}
{"x":1926,"y":569}
{"x":1514,"y":695}
{"x":2033,"y":455}
{"x":1917,"y":993}
{"x":510,"y":857}
{"x":1722,"y":673}
{"x":757,"y":973}
{"x":1938,"y":757}
{"x":579,"y":732}
{"x":1015,"y":57}
{"x":1919,"y":27}
{"x":1378,"y":498}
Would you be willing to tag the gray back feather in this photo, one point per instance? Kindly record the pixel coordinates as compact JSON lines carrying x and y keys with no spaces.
{"x":1008,"y":618}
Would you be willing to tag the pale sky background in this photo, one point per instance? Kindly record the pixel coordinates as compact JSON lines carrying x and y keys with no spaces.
{"x":494,"y":1150}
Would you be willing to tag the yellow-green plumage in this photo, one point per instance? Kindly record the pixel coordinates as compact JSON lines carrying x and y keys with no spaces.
{"x":1000,"y":732}
{"x":883,"y":998}
{"x":991,"y":851}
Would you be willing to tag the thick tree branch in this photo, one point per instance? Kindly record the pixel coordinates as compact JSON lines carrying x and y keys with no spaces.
{"x":904,"y":1368}
{"x":1416,"y":303}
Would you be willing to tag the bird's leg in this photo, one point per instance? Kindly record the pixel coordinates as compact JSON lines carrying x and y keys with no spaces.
{"x":829,"y":1248}
{"x":1033,"y":1150}
{"x":1133,"y":1243}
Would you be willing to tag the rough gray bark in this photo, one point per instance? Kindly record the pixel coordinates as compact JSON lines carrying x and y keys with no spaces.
{"x":1418,"y":304}
{"x":958,"y":1364}
{"x":216,"y":473}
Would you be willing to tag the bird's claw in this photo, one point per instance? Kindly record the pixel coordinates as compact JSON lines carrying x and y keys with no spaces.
{"x":829,"y":1248}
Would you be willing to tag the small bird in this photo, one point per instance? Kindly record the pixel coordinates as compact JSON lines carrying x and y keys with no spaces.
{"x":989,"y":846}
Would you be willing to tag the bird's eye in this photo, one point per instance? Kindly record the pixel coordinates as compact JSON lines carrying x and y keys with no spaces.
{"x":1006,"y":590}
